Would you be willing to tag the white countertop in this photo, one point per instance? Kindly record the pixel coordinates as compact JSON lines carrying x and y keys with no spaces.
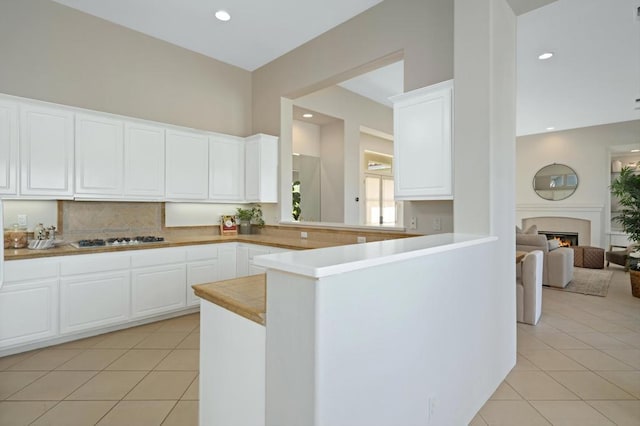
{"x":336,"y":260}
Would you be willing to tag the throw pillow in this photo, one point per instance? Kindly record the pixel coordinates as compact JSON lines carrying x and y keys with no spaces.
{"x":533,"y":229}
{"x":553,"y":244}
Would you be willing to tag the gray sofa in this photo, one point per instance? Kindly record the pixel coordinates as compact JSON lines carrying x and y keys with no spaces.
{"x":557,"y":265}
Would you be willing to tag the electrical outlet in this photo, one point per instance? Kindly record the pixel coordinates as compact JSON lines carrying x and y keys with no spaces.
{"x":437,"y":224}
{"x":362,"y":240}
{"x":303,"y":234}
{"x":414,"y":223}
{"x":22,"y":220}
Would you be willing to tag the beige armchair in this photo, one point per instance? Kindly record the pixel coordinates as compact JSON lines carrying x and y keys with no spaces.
{"x":529,"y":289}
{"x":557,"y":265}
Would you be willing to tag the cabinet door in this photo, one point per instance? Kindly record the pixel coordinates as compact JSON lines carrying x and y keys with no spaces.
{"x":227,"y":262}
{"x":187,"y":166}
{"x":157,"y":289}
{"x":46,"y":151}
{"x":200,"y":273}
{"x":261,"y":169}
{"x":422,"y":143}
{"x":242,"y":261}
{"x":8,"y":147}
{"x":226,"y":169}
{"x":99,"y":150}
{"x":253,"y":252}
{"x":93,"y":300}
{"x":28,"y":311}
{"x":143,"y":161}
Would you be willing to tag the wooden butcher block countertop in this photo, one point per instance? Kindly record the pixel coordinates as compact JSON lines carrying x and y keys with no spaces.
{"x":245,"y":296}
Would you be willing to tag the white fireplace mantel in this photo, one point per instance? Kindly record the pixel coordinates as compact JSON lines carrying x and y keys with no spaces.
{"x":591,"y":212}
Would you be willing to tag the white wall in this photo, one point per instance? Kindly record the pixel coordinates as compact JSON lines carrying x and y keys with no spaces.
{"x":586,"y":150}
{"x":355,"y":111}
{"x":484,"y":153}
{"x":306,"y":138}
{"x":332,"y":163}
{"x":330,"y":363}
{"x":45,"y":212}
{"x":197,"y":214}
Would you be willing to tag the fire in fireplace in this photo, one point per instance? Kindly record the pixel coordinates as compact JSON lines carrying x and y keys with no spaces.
{"x":566,"y":239}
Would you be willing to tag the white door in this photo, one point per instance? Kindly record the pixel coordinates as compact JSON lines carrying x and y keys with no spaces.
{"x":46,"y":151}
{"x":99,"y":150}
{"x":143,"y":161}
{"x":8,"y":147}
{"x":380,"y":204}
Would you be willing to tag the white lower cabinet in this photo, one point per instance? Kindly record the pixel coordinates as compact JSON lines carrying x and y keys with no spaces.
{"x":227,"y":256}
{"x":202,"y":272}
{"x":202,"y":267}
{"x":245,"y":255}
{"x":158,"y":289}
{"x":28,"y":302}
{"x":94,"y":291}
{"x":158,"y":281}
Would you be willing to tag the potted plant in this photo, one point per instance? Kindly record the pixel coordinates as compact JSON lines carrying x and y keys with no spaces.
{"x":248,"y":217}
{"x":627,"y":188}
{"x":296,"y":198}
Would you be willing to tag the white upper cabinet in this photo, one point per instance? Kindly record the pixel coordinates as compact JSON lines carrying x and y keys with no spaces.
{"x":143,"y":161}
{"x":8,"y":147}
{"x":423,"y":143}
{"x":46,"y":151}
{"x":261,"y":169}
{"x":99,"y":155}
{"x":226,"y":168}
{"x":187,"y":166}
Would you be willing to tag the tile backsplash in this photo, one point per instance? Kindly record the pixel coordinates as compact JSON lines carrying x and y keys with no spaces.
{"x":96,"y":219}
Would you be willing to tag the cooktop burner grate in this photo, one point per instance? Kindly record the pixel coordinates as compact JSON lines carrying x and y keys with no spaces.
{"x":117,"y":241}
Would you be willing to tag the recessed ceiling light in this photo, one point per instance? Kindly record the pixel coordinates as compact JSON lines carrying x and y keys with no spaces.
{"x":635,"y":150}
{"x":223,"y":15}
{"x":551,"y":128}
{"x":307,"y":115}
{"x":545,"y":55}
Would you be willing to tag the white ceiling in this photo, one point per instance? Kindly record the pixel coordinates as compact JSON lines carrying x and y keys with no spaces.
{"x":259,"y":31}
{"x":594,"y":77}
{"x":378,"y":85}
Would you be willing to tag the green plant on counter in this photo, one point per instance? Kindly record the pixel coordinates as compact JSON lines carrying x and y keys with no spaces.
{"x":252,"y":215}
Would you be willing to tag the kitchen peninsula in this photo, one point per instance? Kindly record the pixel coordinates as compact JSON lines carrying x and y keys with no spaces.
{"x":361,"y":334}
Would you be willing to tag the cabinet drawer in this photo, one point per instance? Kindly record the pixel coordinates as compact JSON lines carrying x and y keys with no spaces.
{"x":91,"y":263}
{"x":24,"y":270}
{"x":205,"y":252}
{"x":158,"y":257}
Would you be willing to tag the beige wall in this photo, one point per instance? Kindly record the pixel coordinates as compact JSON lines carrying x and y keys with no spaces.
{"x":54,"y":53}
{"x":422,"y":29}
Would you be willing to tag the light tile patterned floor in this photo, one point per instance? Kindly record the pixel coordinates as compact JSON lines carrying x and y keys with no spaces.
{"x":146,"y":375}
{"x":579,"y":366}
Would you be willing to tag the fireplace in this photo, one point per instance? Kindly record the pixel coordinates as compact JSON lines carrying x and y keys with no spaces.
{"x":566,"y":239}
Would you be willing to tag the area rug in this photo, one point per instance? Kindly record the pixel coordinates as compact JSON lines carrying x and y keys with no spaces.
{"x":594,"y":282}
